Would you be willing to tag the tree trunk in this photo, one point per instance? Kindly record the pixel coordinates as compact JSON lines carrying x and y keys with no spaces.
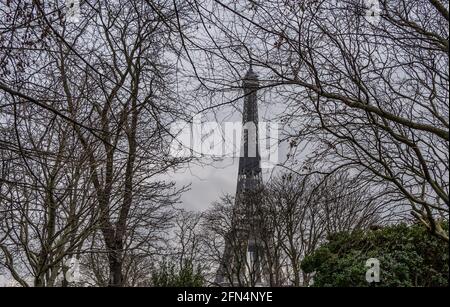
{"x":115,"y":269}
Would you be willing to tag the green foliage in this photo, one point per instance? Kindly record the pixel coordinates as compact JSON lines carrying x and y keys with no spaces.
{"x":171,"y":275}
{"x":409,"y":257}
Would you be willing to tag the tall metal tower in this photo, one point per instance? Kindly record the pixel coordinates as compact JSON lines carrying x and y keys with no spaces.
{"x":243,"y":260}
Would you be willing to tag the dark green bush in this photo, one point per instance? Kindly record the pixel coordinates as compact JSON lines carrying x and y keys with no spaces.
{"x":409,"y":257}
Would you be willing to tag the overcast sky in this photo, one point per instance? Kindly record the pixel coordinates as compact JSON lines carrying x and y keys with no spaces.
{"x":210,"y":180}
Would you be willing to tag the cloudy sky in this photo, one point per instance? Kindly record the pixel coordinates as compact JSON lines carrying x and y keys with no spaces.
{"x":209,"y":180}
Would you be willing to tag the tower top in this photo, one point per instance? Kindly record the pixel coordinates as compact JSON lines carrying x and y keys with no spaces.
{"x":251,"y":78}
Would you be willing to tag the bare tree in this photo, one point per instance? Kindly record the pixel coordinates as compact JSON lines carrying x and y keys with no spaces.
{"x":97,"y":92}
{"x":86,"y":107}
{"x":187,"y":243}
{"x":365,"y":87}
{"x":46,"y":201}
{"x":298,"y":213}
{"x":226,"y":244}
{"x":304,"y":210}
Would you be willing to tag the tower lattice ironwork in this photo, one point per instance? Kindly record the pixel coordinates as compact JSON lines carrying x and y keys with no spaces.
{"x":243,"y":262}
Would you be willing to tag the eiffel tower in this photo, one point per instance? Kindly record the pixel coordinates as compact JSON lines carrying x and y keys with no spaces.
{"x":243,"y":262}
